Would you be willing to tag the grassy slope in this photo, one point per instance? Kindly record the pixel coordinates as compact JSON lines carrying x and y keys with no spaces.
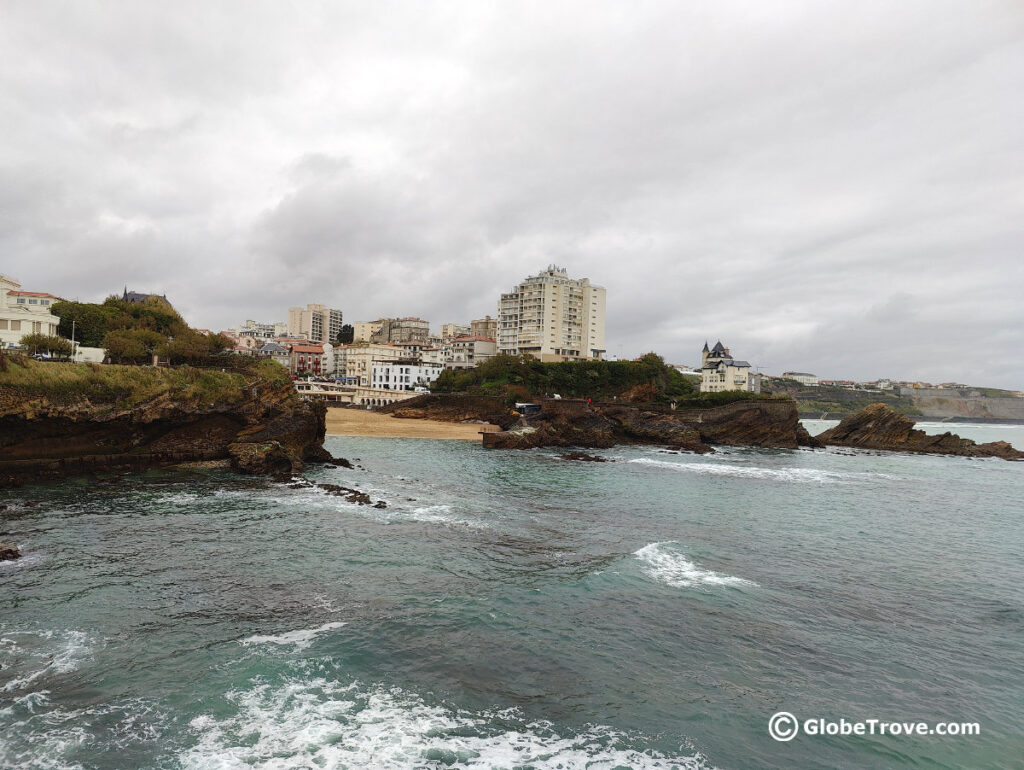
{"x":128,"y":386}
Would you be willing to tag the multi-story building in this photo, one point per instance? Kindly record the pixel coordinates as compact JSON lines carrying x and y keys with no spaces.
{"x":317,"y":360}
{"x":401,"y":330}
{"x":364,"y":330}
{"x":451,"y":331}
{"x":317,"y":323}
{"x":24,"y":312}
{"x":720,"y":371}
{"x":468,"y":352}
{"x":406,"y":374}
{"x":260,"y":330}
{"x":354,"y":362}
{"x":484,"y":327}
{"x":804,"y":378}
{"x":553,"y":317}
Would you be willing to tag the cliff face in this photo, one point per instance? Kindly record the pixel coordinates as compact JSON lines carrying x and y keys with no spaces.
{"x":260,"y":427}
{"x":452,"y":407}
{"x":879,"y":427}
{"x":765,"y":423}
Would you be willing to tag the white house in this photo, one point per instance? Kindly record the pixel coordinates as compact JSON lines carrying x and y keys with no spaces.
{"x":24,"y":312}
{"x":720,"y":371}
{"x":804,"y":378}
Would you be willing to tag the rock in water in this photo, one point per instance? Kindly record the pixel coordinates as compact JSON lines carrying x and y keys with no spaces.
{"x":9,"y":552}
{"x":879,"y":427}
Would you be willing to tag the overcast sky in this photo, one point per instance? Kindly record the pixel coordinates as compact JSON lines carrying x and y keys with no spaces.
{"x":833,"y":187}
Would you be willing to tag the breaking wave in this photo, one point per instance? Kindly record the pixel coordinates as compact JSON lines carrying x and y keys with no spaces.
{"x":800,"y":475}
{"x":316,"y":722}
{"x":300,"y":639}
{"x":663,"y":562}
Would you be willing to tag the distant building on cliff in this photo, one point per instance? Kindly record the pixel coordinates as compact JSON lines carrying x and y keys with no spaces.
{"x":139,"y":298}
{"x":553,"y":317}
{"x":804,"y":378}
{"x":720,"y":371}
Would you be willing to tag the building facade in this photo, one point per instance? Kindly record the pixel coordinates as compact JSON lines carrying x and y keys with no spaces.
{"x":451,"y":331}
{"x":720,"y":371}
{"x":468,"y":352}
{"x":804,"y":378}
{"x":316,"y":360}
{"x":401,"y":330}
{"x":24,"y":312}
{"x":553,"y":317}
{"x":404,"y":374}
{"x":317,"y":323}
{"x":354,"y":362}
{"x":484,"y":327}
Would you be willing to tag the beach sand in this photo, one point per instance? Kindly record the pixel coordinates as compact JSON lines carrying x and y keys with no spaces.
{"x":362,"y":422}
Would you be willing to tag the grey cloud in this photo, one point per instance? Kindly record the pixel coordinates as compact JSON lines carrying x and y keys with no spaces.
{"x":802,"y":180}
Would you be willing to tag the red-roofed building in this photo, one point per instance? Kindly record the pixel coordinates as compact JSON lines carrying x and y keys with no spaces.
{"x":24,"y":312}
{"x":314,"y":359}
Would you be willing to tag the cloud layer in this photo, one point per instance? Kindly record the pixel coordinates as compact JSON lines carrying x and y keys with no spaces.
{"x":830,"y":187}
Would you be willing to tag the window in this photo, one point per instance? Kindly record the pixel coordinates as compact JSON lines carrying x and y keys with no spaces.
{"x":3,"y":324}
{"x":21,"y":300}
{"x":15,"y":326}
{"x":33,"y":302}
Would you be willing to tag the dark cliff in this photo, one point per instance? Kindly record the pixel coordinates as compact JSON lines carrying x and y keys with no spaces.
{"x":879,"y":427}
{"x":60,"y":419}
{"x":575,"y":422}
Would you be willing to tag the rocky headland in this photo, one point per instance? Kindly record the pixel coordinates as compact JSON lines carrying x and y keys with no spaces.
{"x":879,"y":427}
{"x":766,"y":422}
{"x":63,"y":419}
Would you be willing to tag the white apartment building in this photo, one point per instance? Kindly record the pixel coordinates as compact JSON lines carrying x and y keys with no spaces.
{"x":720,"y":371}
{"x":355,"y":362}
{"x":317,"y":323}
{"x":404,"y":374}
{"x":468,"y":352}
{"x":553,"y":317}
{"x":24,"y":312}
{"x":804,"y":378}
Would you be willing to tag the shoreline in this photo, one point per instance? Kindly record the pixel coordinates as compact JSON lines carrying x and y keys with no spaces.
{"x":363,"y":422}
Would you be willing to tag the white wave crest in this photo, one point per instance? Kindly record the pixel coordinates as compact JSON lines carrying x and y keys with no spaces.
{"x":300,"y":638}
{"x":801,"y":475}
{"x":52,"y":652}
{"x":664,"y":563}
{"x":321,"y":723}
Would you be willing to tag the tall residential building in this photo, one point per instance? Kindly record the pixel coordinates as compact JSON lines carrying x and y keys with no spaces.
{"x":484,"y":327}
{"x":317,"y":323}
{"x":553,"y":317}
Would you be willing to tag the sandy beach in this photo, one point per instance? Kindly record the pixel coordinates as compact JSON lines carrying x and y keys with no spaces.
{"x":362,"y":422}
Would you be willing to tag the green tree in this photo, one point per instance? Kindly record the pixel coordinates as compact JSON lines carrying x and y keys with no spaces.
{"x":44,"y":343}
{"x":124,"y":346}
{"x":347,"y":334}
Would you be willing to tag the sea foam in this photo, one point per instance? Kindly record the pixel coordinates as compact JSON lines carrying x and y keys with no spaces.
{"x":318,"y":722}
{"x":300,"y":639}
{"x":666,"y":564}
{"x":800,"y":475}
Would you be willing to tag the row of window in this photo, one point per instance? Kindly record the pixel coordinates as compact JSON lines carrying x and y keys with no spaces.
{"x":44,"y":302}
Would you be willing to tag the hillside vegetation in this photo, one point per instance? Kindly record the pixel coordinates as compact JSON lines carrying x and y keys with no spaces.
{"x":132,"y":332}
{"x":647,"y":380}
{"x":23,"y":379}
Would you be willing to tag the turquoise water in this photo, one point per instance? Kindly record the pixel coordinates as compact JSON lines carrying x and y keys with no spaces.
{"x":513,"y":609}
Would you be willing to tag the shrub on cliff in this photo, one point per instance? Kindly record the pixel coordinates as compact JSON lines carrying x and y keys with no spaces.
{"x":524,"y":376}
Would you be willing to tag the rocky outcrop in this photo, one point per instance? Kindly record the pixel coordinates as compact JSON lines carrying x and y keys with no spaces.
{"x":9,"y":552}
{"x":564,"y":423}
{"x":452,"y":407}
{"x":583,"y":457}
{"x":268,"y":430}
{"x":879,"y":427}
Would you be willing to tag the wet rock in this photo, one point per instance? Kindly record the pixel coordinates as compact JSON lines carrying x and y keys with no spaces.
{"x":351,"y":495}
{"x":879,"y":427}
{"x":584,"y":457}
{"x":380,"y":504}
{"x":9,"y":552}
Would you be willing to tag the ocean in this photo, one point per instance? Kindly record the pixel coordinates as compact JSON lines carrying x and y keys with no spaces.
{"x":518,"y":610}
